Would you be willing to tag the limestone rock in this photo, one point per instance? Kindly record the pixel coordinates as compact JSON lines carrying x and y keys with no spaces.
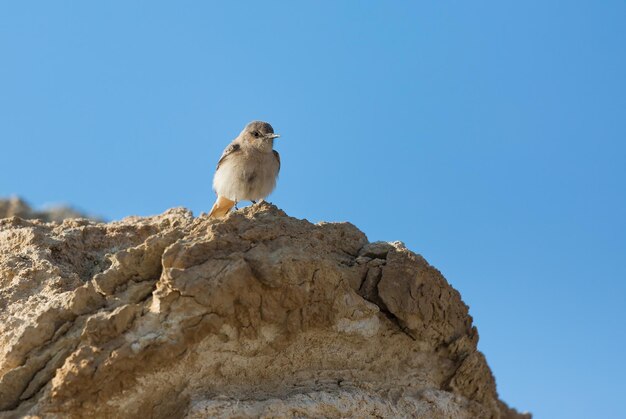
{"x":256,"y":315}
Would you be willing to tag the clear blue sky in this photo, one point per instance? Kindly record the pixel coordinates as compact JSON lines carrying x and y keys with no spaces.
{"x":488,"y":136}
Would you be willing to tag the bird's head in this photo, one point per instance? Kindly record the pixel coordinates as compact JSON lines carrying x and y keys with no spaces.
{"x":259,"y":134}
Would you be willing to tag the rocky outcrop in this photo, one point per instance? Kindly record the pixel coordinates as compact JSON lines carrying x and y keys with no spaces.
{"x":16,"y":207}
{"x":256,"y":315}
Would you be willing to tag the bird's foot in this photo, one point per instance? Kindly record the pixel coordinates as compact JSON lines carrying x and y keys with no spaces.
{"x":253,"y":202}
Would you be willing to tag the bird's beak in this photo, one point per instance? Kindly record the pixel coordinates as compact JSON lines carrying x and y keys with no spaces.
{"x":272,"y":136}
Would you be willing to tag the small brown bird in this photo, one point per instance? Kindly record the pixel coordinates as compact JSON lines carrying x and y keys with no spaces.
{"x":248,"y":168}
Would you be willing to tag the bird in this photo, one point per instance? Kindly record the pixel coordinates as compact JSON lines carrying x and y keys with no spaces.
{"x":247,"y":169}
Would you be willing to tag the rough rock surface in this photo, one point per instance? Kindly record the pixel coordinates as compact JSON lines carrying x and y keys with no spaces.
{"x":16,"y":207}
{"x":256,"y":315}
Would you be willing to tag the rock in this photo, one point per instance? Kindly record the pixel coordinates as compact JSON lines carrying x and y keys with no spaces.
{"x":16,"y":207}
{"x":256,"y":315}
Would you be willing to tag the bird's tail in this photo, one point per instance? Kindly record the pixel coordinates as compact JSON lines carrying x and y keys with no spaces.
{"x":221,"y":207}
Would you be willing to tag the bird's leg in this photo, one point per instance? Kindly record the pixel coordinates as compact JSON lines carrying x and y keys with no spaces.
{"x":236,"y":209}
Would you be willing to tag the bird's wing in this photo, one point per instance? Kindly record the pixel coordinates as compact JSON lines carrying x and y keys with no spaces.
{"x":232,"y":148}
{"x":277,"y":158}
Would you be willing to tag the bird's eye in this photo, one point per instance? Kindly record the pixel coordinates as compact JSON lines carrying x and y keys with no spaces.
{"x":256,"y":134}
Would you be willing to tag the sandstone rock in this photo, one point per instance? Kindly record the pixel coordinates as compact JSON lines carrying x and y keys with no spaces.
{"x":256,"y":315}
